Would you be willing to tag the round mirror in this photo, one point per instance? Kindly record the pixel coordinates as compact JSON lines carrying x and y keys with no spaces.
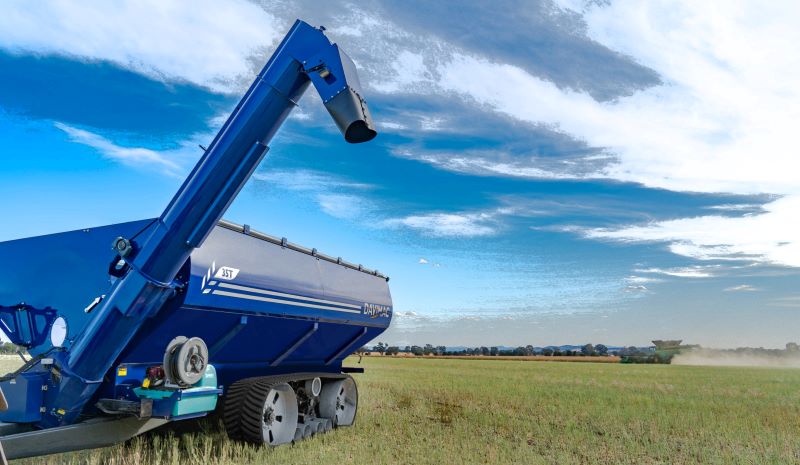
{"x":58,"y":332}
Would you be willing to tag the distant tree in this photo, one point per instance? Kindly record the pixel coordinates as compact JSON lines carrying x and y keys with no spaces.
{"x":494,"y":351}
{"x":363,"y":350}
{"x":528,"y":349}
{"x":601,"y":349}
{"x":569,"y":353}
{"x":429,"y":349}
{"x":484,"y":350}
{"x":629,"y":351}
{"x":547,"y":351}
{"x":392,"y":350}
{"x":407,"y":349}
{"x":792,"y":347}
{"x":417,"y":350}
{"x":588,"y":349}
{"x":381,"y":347}
{"x":557,"y":352}
{"x":440,"y":350}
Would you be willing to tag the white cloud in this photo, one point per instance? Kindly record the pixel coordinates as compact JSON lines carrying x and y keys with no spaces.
{"x":167,"y":162}
{"x":391,"y":125}
{"x":736,"y":207}
{"x":409,"y":68}
{"x":741,"y":288}
{"x":335,"y":196}
{"x":771,"y":237}
{"x":698,"y":271}
{"x":641,"y":280}
{"x":635,"y":288}
{"x":344,"y":206}
{"x":423,"y":261}
{"x":308,"y":180}
{"x":449,"y":224}
{"x":203,"y":42}
{"x":484,"y":163}
{"x":723,"y":121}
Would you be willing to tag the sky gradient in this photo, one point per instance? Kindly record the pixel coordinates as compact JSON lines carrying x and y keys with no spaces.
{"x":545,"y":172}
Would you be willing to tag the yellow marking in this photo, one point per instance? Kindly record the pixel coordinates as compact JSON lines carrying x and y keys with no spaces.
{"x":61,"y":411}
{"x":146,"y":383}
{"x":122,"y":371}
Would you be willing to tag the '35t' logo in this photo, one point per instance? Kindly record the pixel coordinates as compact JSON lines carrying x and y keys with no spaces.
{"x":226,"y":273}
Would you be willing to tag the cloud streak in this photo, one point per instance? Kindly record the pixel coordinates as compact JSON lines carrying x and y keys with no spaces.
{"x":770,"y":237}
{"x":137,"y":157}
{"x":449,"y":225}
{"x":742,"y":288}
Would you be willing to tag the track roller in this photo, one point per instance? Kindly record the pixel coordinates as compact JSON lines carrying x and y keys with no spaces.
{"x":338,"y":401}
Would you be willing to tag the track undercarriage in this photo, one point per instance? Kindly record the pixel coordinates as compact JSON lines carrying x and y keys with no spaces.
{"x":277,"y":410}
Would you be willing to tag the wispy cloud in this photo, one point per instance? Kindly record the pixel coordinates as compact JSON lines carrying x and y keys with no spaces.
{"x":642,"y":279}
{"x":202,"y":42}
{"x":163,"y":161}
{"x":502,"y":163}
{"x":334,"y":195}
{"x":345,"y":206}
{"x":742,"y":288}
{"x":786,"y":302}
{"x":635,"y":288}
{"x":474,"y":224}
{"x":308,"y":180}
{"x":738,"y":207}
{"x":698,"y":271}
{"x":770,"y":237}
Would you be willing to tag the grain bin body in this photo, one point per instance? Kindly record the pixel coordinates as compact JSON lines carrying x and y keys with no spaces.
{"x":262,"y":306}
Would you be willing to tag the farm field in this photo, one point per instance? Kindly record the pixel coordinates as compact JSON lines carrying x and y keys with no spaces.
{"x":440,"y":411}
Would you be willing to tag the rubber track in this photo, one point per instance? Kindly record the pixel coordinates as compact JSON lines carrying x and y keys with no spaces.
{"x":244,"y":402}
{"x":231,"y":414}
{"x":253,"y":405}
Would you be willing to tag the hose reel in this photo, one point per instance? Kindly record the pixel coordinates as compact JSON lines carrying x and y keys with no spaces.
{"x":185,"y":361}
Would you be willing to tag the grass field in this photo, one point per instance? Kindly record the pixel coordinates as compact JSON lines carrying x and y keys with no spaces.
{"x":425,"y":411}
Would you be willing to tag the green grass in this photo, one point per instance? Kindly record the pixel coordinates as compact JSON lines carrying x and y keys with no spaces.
{"x":424,"y":411}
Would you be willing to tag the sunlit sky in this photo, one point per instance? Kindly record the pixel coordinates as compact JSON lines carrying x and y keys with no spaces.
{"x":545,"y":173}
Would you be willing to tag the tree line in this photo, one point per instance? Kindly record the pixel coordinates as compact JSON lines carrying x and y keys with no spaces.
{"x":430,"y":349}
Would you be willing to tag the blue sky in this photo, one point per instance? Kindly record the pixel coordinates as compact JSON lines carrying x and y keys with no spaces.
{"x":546,"y":172}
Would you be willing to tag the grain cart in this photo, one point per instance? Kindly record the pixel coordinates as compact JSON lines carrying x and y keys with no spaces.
{"x":134,"y":325}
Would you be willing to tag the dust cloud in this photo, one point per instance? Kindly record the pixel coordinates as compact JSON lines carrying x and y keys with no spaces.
{"x":739,"y":357}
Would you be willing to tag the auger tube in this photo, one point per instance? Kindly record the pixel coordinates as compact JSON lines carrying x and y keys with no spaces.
{"x":154,"y":258}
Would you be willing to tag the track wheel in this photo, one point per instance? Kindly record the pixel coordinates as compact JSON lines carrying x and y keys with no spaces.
{"x":339,"y":401}
{"x":265,"y":414}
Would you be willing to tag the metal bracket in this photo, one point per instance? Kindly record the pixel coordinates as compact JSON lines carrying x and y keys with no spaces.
{"x":26,"y":325}
{"x":347,"y":346}
{"x":173,"y":285}
{"x":224,"y":340}
{"x":295,"y":346}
